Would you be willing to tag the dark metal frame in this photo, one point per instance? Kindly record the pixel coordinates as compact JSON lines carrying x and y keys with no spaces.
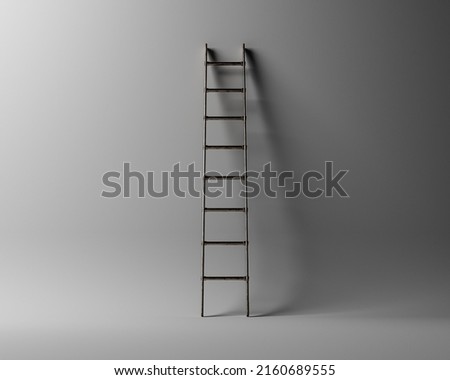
{"x":243,"y":177}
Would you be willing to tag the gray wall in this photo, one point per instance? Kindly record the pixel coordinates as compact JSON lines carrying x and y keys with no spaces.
{"x":88,"y":85}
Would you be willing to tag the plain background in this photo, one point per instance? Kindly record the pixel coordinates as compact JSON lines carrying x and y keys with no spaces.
{"x":88,"y":85}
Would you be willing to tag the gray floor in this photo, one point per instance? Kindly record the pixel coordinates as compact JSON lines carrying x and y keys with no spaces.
{"x":299,"y":337}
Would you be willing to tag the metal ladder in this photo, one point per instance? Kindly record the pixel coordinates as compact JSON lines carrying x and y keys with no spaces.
{"x":206,"y":177}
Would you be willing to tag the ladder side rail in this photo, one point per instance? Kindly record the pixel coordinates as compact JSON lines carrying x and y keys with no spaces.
{"x":203,"y":178}
{"x":244,"y":79}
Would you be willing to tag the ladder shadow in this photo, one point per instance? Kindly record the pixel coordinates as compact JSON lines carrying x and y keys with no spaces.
{"x":294,"y":270}
{"x":282,"y":254}
{"x":232,"y":313}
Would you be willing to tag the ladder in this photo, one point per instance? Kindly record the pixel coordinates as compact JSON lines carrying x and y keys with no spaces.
{"x":207,"y":177}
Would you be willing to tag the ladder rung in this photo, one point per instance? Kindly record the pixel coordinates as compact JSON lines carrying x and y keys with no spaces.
{"x":224,"y":117}
{"x":224,"y":90}
{"x":224,"y":209}
{"x":236,"y":278}
{"x":238,"y":63}
{"x":206,"y":177}
{"x":224,"y":242}
{"x":224,"y":146}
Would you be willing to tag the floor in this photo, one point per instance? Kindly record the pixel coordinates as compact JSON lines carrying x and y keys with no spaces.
{"x":236,"y":337}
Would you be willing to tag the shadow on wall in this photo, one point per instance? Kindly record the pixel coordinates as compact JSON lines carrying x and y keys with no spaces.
{"x":280,"y":257}
{"x":297,"y":267}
